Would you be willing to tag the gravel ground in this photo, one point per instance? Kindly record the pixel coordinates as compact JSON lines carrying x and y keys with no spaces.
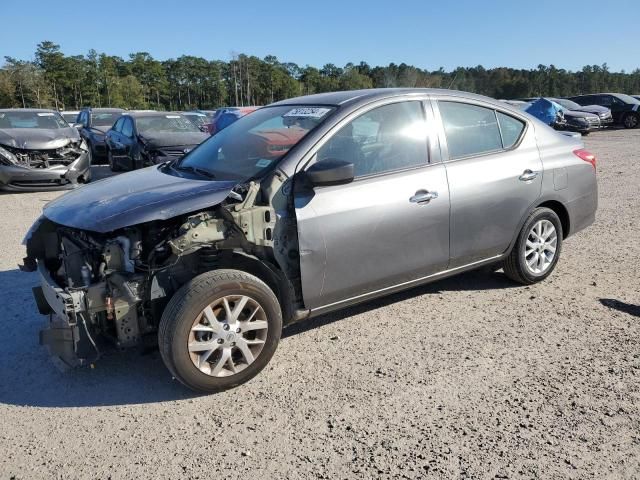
{"x":471,"y":377}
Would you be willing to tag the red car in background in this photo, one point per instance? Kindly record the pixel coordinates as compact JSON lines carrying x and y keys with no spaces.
{"x":226,"y":116}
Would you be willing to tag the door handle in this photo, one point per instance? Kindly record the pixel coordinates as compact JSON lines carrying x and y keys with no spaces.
{"x":423,"y":196}
{"x":528,"y":175}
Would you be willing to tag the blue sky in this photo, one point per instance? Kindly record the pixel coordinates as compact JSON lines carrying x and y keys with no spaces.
{"x":516,"y":33}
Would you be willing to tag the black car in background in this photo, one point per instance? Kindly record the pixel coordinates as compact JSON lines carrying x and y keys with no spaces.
{"x":200,"y":120}
{"x":603,"y":113}
{"x":624,"y":108}
{"x":140,"y":139}
{"x":93,"y":123}
{"x":568,"y":119}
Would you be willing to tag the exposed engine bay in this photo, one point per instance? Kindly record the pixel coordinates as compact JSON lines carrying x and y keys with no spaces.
{"x":57,"y":168}
{"x":115,"y":286}
{"x":40,"y":151}
{"x":45,"y":158}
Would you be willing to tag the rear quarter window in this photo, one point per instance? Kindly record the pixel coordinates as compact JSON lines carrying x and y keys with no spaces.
{"x":510,"y":128}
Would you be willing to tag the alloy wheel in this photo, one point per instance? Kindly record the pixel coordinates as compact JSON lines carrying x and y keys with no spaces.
{"x":540,"y":248}
{"x":228,"y":335}
{"x":631,"y":121}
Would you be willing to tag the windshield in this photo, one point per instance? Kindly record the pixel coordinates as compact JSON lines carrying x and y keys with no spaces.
{"x":69,"y":117}
{"x":568,"y":104}
{"x":104,"y":119}
{"x":628,"y":99}
{"x":198,"y":119}
{"x":22,"y":119}
{"x":170,"y":123}
{"x":255,"y":142}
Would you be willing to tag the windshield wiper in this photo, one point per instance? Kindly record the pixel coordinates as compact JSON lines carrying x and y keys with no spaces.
{"x":199,"y":171}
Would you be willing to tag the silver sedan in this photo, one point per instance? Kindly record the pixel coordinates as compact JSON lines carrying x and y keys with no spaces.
{"x":304,"y":207}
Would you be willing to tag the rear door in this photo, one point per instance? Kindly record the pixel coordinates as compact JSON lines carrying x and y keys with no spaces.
{"x":494,"y":172}
{"x":391,"y":224}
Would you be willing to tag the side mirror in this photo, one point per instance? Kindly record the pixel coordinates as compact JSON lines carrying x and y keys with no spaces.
{"x":330,"y":172}
{"x":76,"y":125}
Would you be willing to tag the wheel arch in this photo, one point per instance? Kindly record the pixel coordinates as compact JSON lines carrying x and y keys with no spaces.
{"x":562,"y":212}
{"x":552,"y":203}
{"x":269,"y":274}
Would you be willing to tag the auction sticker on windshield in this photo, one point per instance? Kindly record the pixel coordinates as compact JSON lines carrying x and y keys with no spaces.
{"x":263,"y":162}
{"x":313,"y":112}
{"x":46,"y":114}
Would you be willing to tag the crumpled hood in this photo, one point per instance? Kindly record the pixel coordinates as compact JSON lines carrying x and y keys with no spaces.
{"x":133,"y":198}
{"x":38,"y":138}
{"x":578,"y":114}
{"x":597,"y":109}
{"x":160,"y":140}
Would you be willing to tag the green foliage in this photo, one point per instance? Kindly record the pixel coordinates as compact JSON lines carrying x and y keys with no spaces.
{"x":100,"y":80}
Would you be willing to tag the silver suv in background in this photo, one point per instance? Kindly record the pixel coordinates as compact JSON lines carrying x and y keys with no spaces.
{"x":303,"y":207}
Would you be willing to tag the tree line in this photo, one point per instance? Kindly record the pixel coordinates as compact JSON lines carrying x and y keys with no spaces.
{"x":55,"y":80}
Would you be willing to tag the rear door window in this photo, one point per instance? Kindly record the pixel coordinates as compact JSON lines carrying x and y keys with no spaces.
{"x":469,"y":129}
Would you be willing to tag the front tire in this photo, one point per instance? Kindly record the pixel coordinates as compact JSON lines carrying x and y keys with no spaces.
{"x":537,"y":249}
{"x":220,"y":330}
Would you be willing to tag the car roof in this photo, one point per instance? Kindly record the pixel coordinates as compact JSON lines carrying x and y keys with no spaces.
{"x":150,"y":114}
{"x":104,"y":110}
{"x":30,"y":110}
{"x":369,"y":95}
{"x":597,"y":93}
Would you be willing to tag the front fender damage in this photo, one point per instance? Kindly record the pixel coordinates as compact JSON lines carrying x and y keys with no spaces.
{"x":245,"y":223}
{"x":115,"y":285}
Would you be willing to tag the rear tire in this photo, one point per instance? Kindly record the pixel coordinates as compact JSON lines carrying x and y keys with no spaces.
{"x":219,"y":330}
{"x":537,"y":249}
{"x":631,"y":120}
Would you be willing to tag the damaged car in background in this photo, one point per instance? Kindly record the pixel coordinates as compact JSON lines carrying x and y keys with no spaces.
{"x":40,"y":151}
{"x":303,"y":207}
{"x":561,"y":118}
{"x":142,"y":138}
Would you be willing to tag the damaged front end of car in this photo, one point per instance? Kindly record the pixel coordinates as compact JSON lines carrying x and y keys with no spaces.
{"x":102,"y":289}
{"x":55,"y":168}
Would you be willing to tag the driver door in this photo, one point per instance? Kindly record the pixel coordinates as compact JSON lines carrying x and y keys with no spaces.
{"x":387,"y":227}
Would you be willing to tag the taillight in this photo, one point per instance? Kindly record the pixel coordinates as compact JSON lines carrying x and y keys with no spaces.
{"x":586,"y":155}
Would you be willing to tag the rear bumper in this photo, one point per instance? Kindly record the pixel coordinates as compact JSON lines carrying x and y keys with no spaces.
{"x":22,"y":179}
{"x":67,"y":336}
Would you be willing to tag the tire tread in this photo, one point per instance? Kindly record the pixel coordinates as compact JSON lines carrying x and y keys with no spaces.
{"x":192,"y":291}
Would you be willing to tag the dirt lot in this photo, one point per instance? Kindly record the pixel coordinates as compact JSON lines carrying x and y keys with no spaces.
{"x":472,"y":377}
